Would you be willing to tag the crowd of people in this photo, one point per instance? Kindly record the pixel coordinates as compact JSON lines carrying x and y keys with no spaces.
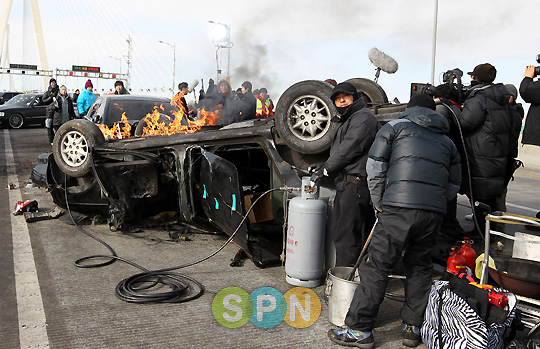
{"x":411,"y":170}
{"x":233,"y":106}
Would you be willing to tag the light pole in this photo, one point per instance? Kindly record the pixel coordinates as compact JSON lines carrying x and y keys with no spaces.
{"x":119,"y":59}
{"x":222,"y":39}
{"x":173,"y":46}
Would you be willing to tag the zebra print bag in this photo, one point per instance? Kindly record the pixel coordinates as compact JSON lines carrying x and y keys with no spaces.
{"x":460,"y":327}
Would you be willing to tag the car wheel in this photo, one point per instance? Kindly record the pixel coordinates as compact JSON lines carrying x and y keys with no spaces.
{"x":16,"y":121}
{"x":139,"y":130}
{"x":303,"y":116}
{"x":73,"y":145}
{"x":371,"y":92}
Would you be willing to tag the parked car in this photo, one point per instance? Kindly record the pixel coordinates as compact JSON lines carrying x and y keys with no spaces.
{"x":23,"y":109}
{"x":6,"y":96}
{"x":209,"y":178}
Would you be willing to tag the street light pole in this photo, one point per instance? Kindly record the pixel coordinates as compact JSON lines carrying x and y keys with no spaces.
{"x":222,"y":40}
{"x":173,"y":46}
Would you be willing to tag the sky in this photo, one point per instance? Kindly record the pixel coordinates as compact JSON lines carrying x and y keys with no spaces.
{"x":276,"y":43}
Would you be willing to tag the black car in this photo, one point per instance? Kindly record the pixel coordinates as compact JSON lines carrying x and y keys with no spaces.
{"x":6,"y":96}
{"x":23,"y":109}
{"x":210,"y":177}
{"x":108,"y":110}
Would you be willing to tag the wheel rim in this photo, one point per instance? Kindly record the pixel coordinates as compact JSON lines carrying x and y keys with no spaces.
{"x":74,"y":149}
{"x":309,"y":118}
{"x":15,"y":121}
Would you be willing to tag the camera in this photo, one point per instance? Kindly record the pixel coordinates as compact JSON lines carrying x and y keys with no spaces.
{"x":537,"y":69}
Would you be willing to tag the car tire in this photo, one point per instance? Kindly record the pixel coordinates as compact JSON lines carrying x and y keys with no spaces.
{"x":16,"y":121}
{"x":372,"y":92}
{"x":73,"y":145}
{"x":303,"y":116}
{"x":143,"y":123}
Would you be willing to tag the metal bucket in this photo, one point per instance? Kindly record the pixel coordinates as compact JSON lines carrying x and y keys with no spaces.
{"x":339,"y":293}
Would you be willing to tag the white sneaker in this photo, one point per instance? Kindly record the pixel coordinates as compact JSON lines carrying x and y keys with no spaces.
{"x":469,"y":217}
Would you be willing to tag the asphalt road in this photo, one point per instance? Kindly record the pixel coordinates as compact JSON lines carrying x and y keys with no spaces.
{"x":48,"y":302}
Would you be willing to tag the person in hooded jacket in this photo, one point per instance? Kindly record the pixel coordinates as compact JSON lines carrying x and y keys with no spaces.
{"x":86,"y":99}
{"x":225,"y":97}
{"x":351,"y":218}
{"x":487,"y":124}
{"x":413,"y":169}
{"x":64,"y":110}
{"x":49,"y":98}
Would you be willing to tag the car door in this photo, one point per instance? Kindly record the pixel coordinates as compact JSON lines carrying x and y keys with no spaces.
{"x":37,"y":111}
{"x":215,"y":190}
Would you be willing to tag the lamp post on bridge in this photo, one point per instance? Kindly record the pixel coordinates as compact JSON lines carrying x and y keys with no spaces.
{"x":222,"y":39}
{"x":173,"y":46}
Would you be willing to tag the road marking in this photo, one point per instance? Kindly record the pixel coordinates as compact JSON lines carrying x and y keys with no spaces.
{"x":32,"y":322}
{"x":523,"y":207}
{"x":526,"y":175}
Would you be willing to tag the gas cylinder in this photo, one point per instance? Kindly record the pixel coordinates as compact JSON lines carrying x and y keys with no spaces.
{"x":468,"y":253}
{"x":306,"y":227}
{"x":455,"y":263}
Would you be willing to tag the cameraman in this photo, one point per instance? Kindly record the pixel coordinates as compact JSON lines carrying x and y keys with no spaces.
{"x":530,"y":92}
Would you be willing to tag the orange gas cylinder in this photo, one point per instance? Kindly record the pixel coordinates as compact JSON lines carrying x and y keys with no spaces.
{"x":468,"y":253}
{"x":456,"y":263}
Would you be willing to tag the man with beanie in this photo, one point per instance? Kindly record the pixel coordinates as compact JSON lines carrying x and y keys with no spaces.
{"x":249,"y":107}
{"x":49,"y":98}
{"x":119,"y":88}
{"x":413,"y":169}
{"x":487,"y":125}
{"x":357,"y":127}
{"x":86,"y":99}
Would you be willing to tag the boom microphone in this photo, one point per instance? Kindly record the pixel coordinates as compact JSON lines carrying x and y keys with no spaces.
{"x":383,"y":61}
{"x":192,"y":86}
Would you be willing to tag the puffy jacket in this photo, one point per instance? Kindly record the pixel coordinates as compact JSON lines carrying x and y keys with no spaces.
{"x":264,"y":108}
{"x":487,"y":122}
{"x":85,"y":101}
{"x":413,"y":164}
{"x":63,"y":101}
{"x":352,"y":141}
{"x":530,"y":92}
{"x":48,"y":98}
{"x":123,"y":91}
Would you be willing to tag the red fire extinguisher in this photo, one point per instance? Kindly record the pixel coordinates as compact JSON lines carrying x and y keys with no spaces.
{"x":468,"y":253}
{"x":455,"y":263}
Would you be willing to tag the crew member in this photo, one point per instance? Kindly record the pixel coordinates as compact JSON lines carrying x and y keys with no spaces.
{"x":249,"y":107}
{"x":348,"y":156}
{"x":119,"y":88}
{"x":486,"y":122}
{"x":86,"y":99}
{"x":49,"y":98}
{"x":530,"y":92}
{"x":413,"y":170}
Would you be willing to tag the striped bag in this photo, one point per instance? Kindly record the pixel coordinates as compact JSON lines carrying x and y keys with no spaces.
{"x":460,"y":326}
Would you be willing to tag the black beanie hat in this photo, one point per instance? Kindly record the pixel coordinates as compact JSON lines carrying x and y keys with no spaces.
{"x":344,"y":87}
{"x":422,"y":101}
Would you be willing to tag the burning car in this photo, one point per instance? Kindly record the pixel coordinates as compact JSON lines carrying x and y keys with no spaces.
{"x":206,"y":174}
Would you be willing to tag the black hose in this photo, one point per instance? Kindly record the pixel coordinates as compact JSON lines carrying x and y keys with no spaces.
{"x":138,"y":288}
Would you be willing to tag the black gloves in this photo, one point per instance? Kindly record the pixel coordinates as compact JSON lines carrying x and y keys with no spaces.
{"x":317,"y":175}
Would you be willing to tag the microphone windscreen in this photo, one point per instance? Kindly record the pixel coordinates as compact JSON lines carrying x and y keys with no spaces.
{"x":383,"y":61}
{"x":193,"y":84}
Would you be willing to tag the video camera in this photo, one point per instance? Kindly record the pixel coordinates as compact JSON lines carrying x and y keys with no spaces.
{"x":537,"y":69}
{"x":451,"y":77}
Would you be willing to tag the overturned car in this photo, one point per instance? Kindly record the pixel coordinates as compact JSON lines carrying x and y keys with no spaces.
{"x":209,"y":178}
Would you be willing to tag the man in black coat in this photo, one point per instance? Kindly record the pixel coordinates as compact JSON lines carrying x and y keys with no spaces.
{"x":487,"y":123}
{"x":249,"y":102}
{"x":413,"y":169}
{"x":348,"y":156}
{"x":530,"y":92}
{"x":48,"y":99}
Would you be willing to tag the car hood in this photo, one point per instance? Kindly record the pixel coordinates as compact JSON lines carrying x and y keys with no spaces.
{"x":4,"y":107}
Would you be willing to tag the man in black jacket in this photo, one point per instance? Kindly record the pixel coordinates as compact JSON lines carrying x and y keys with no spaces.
{"x":348,"y":156}
{"x":487,"y":123}
{"x":249,"y":102}
{"x":530,"y":92}
{"x":413,"y":170}
{"x":49,"y":99}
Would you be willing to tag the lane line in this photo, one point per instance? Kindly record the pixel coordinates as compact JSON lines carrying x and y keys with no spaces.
{"x":526,"y":175}
{"x":523,"y":207}
{"x":32,"y":322}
